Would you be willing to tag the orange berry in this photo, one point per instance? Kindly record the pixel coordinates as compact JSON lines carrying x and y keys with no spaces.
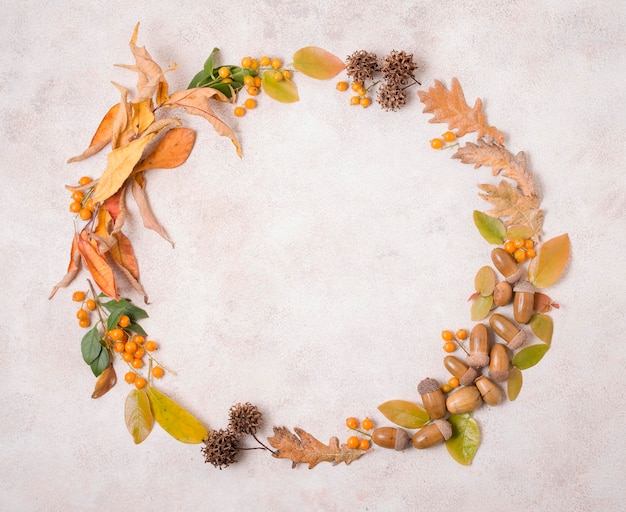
{"x":461,"y":334}
{"x":90,"y":205}
{"x":239,"y":111}
{"x":118,"y":347}
{"x":250,"y":103}
{"x":520,"y":255}
{"x":75,"y":207}
{"x":257,"y":81}
{"x":130,"y":377}
{"x":130,"y":346}
{"x":509,"y":247}
{"x":139,"y":339}
{"x":278,"y":76}
{"x":227,"y":80}
{"x":356,"y":86}
{"x":519,"y":243}
{"x":82,"y":314}
{"x":245,"y":62}
{"x":85,"y":180}
{"x":352,"y":423}
{"x":342,"y":86}
{"x":248,"y":80}
{"x":223,"y":72}
{"x":276,"y":63}
{"x":124,"y":321}
{"x":86,"y":322}
{"x":365,"y":102}
{"x":136,"y":363}
{"x":78,"y":296}
{"x":254,"y":64}
{"x":253,"y":90}
{"x":140,"y":382}
{"x":139,"y":353}
{"x":528,"y":244}
{"x":436,"y":143}
{"x":447,"y":335}
{"x":364,"y":444}
{"x":449,"y":136}
{"x":90,"y":304}
{"x":157,"y":372}
{"x":85,"y":213}
{"x":151,"y":346}
{"x":78,"y":196}
{"x":116,"y":334}
{"x":127,"y":356}
{"x":265,"y":60}
{"x":453,"y":382}
{"x":355,"y":100}
{"x":446,"y":388}
{"x":353,"y":442}
{"x":449,"y":346}
{"x":287,"y":74}
{"x":367,"y":424}
{"x":362,"y":91}
{"x":530,"y":253}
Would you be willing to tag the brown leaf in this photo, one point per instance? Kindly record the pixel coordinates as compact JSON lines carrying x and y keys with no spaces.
{"x":306,"y":449}
{"x":510,"y":203}
{"x":150,"y":74}
{"x":449,"y":106}
{"x":116,"y":206}
{"x":542,"y":303}
{"x":149,"y":220}
{"x":97,"y":266}
{"x":72,"y":268}
{"x":173,"y":149}
{"x":122,"y":130}
{"x":105,"y":382}
{"x":123,"y":256}
{"x":102,"y":136}
{"x":196,"y":102}
{"x":499,"y":159}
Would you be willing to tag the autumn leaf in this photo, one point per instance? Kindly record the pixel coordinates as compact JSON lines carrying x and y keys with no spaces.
{"x":463,"y":444}
{"x":122,"y":130}
{"x":510,"y":204}
{"x":138,"y":415}
{"x":172,"y":150}
{"x":175,"y":420}
{"x":404,"y":413}
{"x":485,"y":281}
{"x":530,"y":356}
{"x":519,"y":231}
{"x":124,"y":257}
{"x":284,"y":91}
{"x":491,"y":228}
{"x":481,"y":306}
{"x":149,"y":220}
{"x":143,"y":116}
{"x":196,"y":102}
{"x":449,"y":106}
{"x":317,"y":63}
{"x":72,"y":269}
{"x":304,"y":448}
{"x":542,"y":327}
{"x":543,"y":303}
{"x":97,"y":266}
{"x":102,"y":136}
{"x":547,"y":268}
{"x":514,"y":383}
{"x":105,"y":382}
{"x":115,"y":205}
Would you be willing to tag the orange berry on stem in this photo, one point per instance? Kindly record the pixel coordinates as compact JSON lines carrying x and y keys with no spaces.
{"x":245,"y":62}
{"x":352,"y":422}
{"x":253,"y":90}
{"x":530,"y":253}
{"x":82,"y":314}
{"x":364,"y":444}
{"x":78,"y":196}
{"x":453,"y":382}
{"x":151,"y":346}
{"x":75,"y":207}
{"x":78,"y":296}
{"x":436,"y":143}
{"x":223,"y":72}
{"x":139,"y":353}
{"x":250,"y":103}
{"x":518,"y":242}
{"x":116,"y":334}
{"x":248,"y":80}
{"x":528,"y":244}
{"x":85,"y":180}
{"x":355,"y":100}
{"x":447,"y":335}
{"x":342,"y":86}
{"x":365,"y":102}
{"x":286,"y":74}
{"x":461,"y":334}
{"x":367,"y":424}
{"x":136,"y":363}
{"x":127,"y":356}
{"x":139,"y":339}
{"x":118,"y":347}
{"x":265,"y":60}
{"x":356,"y":86}
{"x":239,"y":111}
{"x":157,"y":372}
{"x":90,"y":304}
{"x":276,"y":63}
{"x":449,"y":136}
{"x":449,"y":346}
{"x":509,"y":247}
{"x":353,"y":442}
{"x":130,"y":346}
{"x":86,"y":322}
{"x":124,"y":321}
{"x":140,"y":382}
{"x":520,"y":255}
{"x":85,"y":213}
{"x":130,"y":377}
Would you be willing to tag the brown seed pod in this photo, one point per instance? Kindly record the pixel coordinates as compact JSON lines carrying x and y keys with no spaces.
{"x":508,"y":331}
{"x":460,"y":370}
{"x":479,"y":346}
{"x":391,"y":437}
{"x":464,"y":399}
{"x":502,"y":293}
{"x":434,"y":433}
{"x":499,"y":363}
{"x":488,"y":390}
{"x":506,"y":265}
{"x":433,"y":398}
{"x":524,"y":301}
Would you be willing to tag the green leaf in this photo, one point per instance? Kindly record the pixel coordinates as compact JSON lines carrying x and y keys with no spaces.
{"x":514,"y":384}
{"x":317,"y":63}
{"x":491,"y":228}
{"x":197,"y":80}
{"x":403,"y":413}
{"x":485,"y":281}
{"x":519,"y":231}
{"x":548,"y":266}
{"x":133,"y":327}
{"x":138,"y":415}
{"x":529,"y":356}
{"x":284,"y":90}
{"x":100,"y":363}
{"x":90,"y":345}
{"x":209,"y":64}
{"x":117,"y":308}
{"x":465,"y":438}
{"x":542,"y":326}
{"x":481,"y":307}
{"x":175,"y":420}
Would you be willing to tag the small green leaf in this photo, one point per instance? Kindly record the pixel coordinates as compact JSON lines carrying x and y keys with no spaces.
{"x":514,"y":384}
{"x":403,"y":413}
{"x":136,"y":328}
{"x":100,"y":363}
{"x":197,"y":80}
{"x":542,"y":326}
{"x":529,"y":356}
{"x":209,"y":64}
{"x":175,"y":420}
{"x":124,"y":307}
{"x":485,"y":281}
{"x":481,"y":307}
{"x":138,"y":415}
{"x":90,"y":345}
{"x":317,"y":63}
{"x":491,"y":228}
{"x":284,"y":90}
{"x":548,"y":266}
{"x":465,"y":438}
{"x":519,"y":231}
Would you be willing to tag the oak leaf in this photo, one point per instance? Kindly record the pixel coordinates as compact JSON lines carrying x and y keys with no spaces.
{"x":304,"y":448}
{"x":449,"y":106}
{"x":102,"y":136}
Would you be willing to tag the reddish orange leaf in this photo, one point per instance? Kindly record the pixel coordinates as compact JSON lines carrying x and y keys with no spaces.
{"x":317,"y":63}
{"x":547,"y":268}
{"x":97,"y":265}
{"x":124,"y":255}
{"x":105,"y":382}
{"x":72,"y":268}
{"x":173,"y":149}
{"x":102,"y":136}
{"x":116,"y":206}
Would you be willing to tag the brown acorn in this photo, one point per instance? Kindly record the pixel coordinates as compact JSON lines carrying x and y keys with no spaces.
{"x":506,"y":265}
{"x":433,"y":398}
{"x":507,"y":330}
{"x":524,"y":301}
{"x":434,"y":433}
{"x":391,"y":437}
{"x":479,"y":346}
{"x":499,"y":363}
{"x":464,"y":399}
{"x":489,"y":391}
{"x":502,"y":293}
{"x":460,"y":370}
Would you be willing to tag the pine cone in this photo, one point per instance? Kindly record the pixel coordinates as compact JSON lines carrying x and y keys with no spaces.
{"x":391,"y":97}
{"x":220,"y":449}
{"x":361,"y":66}
{"x":244,"y":418}
{"x":398,"y":67}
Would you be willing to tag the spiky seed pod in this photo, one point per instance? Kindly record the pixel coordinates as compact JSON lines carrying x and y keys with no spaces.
{"x":220,"y":449}
{"x":245,"y":418}
{"x":390,"y":97}
{"x":398,"y":67}
{"x":361,"y":66}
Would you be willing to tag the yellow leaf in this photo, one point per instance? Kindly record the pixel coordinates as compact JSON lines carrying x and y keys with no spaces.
{"x":142,"y":116}
{"x":138,"y":415}
{"x":548,"y":266}
{"x":175,"y":420}
{"x":284,"y":90}
{"x":317,"y":63}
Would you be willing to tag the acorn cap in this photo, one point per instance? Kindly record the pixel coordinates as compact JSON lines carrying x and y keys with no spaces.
{"x":499,"y":375}
{"x":524,"y":287}
{"x":518,"y":340}
{"x":468,"y":377}
{"x":478,"y":360}
{"x":445,"y":428}
{"x":402,"y":439}
{"x":427,"y":385}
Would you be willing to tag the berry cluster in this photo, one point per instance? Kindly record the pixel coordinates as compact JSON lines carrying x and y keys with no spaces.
{"x":452,"y":342}
{"x":84,"y":312}
{"x":520,"y":249}
{"x":355,"y":442}
{"x":439,"y":143}
{"x":82,"y":204}
{"x":360,"y":98}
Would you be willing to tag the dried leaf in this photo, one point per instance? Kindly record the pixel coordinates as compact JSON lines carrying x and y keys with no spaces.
{"x":499,"y":159}
{"x":304,"y":448}
{"x":317,"y":63}
{"x":548,"y":266}
{"x":149,"y":220}
{"x":143,"y":116}
{"x":543,"y":303}
{"x":485,"y":281}
{"x":138,"y":415}
{"x":529,"y":356}
{"x":284,"y":91}
{"x":491,"y":228}
{"x":196,"y":102}
{"x":123,"y":255}
{"x":449,"y":106}
{"x":102,"y":136}
{"x":175,"y":420}
{"x":514,"y":383}
{"x":105,"y":382}
{"x":116,"y":206}
{"x":404,"y":413}
{"x":481,"y":307}
{"x":172,"y":150}
{"x":122,"y":130}
{"x":542,"y":327}
{"x":519,"y":231}
{"x":72,"y":268}
{"x":510,"y":203}
{"x":465,"y":438}
{"x":97,"y":266}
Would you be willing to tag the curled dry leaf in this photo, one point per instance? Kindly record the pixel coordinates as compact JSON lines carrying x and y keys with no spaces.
{"x":72,"y":269}
{"x":97,"y":265}
{"x":105,"y":382}
{"x":102,"y":136}
{"x":149,"y":220}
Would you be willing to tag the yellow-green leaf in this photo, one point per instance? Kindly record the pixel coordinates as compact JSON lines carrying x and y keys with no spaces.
{"x":175,"y":420}
{"x":403,"y":413}
{"x":542,"y":326}
{"x":529,"y":356}
{"x":138,"y":415}
{"x":481,"y":307}
{"x":465,"y":438}
{"x":317,"y":63}
{"x":519,"y":231}
{"x":485,"y":281}
{"x":284,"y":90}
{"x":514,"y":384}
{"x":548,"y":266}
{"x":491,"y":228}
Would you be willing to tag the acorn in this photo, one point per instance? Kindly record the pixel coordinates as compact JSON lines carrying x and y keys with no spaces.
{"x":499,"y":363}
{"x":391,"y":437}
{"x":508,"y":331}
{"x":524,"y":301}
{"x":506,"y":265}
{"x":489,"y":391}
{"x":460,"y":370}
{"x":434,"y":433}
{"x":433,"y":398}
{"x":502,"y":293}
{"x":479,"y":346}
{"x":464,"y":399}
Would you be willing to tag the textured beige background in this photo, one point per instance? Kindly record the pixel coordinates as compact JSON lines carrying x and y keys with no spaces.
{"x":313,"y":277}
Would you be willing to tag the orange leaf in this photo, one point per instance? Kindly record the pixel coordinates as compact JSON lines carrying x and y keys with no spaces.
{"x":97,"y":266}
{"x":317,"y":63}
{"x":548,"y":266}
{"x":102,"y":136}
{"x":72,"y":268}
{"x":173,"y":149}
{"x":124,"y":257}
{"x":116,"y":206}
{"x":149,"y":220}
